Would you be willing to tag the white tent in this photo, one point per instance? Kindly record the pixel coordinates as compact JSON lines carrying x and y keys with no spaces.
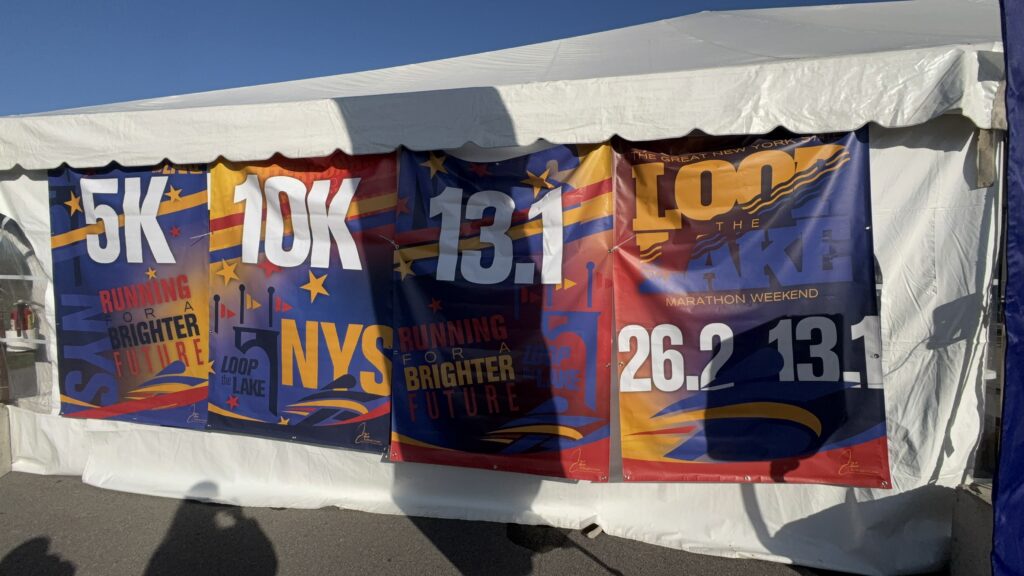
{"x":809,"y":69}
{"x":924,"y":74}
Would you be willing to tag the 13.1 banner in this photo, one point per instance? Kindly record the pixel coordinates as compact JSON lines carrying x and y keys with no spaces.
{"x":502,"y":312}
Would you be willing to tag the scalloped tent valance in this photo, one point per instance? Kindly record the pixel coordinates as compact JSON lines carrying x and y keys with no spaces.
{"x":809,"y":69}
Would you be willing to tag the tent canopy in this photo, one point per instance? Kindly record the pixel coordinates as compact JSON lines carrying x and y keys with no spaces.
{"x":809,"y":69}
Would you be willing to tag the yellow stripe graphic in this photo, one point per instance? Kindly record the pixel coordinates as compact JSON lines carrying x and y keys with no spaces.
{"x":160,"y":389}
{"x":831,"y":166}
{"x":231,"y":237}
{"x":166,"y":207}
{"x":593,"y":209}
{"x":555,"y":429}
{"x":222,"y":412}
{"x":772,"y":410}
{"x":69,"y":400}
{"x":332,"y":403}
{"x":653,"y":447}
{"x":395,"y":437}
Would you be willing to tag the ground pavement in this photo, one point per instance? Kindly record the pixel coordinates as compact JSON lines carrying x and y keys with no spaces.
{"x":56,"y":525}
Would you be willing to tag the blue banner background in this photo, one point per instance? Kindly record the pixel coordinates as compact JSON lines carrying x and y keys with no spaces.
{"x":153,"y":380}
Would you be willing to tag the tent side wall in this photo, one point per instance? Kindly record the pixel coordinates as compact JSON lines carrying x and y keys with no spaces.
{"x":935,"y":238}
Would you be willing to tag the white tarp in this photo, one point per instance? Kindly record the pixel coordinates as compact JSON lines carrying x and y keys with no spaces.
{"x":810,"y":69}
{"x":935,"y":238}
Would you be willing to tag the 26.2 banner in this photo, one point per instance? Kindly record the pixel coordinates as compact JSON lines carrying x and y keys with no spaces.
{"x":747,"y":323}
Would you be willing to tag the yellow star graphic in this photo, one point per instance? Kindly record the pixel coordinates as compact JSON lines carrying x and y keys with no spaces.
{"x":538,"y":182}
{"x":315,"y":286}
{"x":75,"y":204}
{"x":151,"y":273}
{"x":174,"y":194}
{"x":283,"y":421}
{"x":404,"y":267}
{"x":436,"y":164}
{"x":227,"y":272}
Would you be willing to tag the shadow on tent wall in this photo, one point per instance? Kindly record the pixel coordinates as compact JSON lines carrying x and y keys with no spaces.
{"x":956,"y":346}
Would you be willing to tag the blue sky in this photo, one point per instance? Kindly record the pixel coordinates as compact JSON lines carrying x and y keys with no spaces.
{"x":66,"y":53}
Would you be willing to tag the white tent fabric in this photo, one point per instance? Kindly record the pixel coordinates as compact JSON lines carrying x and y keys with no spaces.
{"x":935,"y":238}
{"x":810,"y":69}
{"x":925,"y":74}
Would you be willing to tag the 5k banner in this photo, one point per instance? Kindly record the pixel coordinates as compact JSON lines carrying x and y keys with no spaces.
{"x":502,"y":312}
{"x":747,"y":325}
{"x":130,"y":287}
{"x":300,"y":265}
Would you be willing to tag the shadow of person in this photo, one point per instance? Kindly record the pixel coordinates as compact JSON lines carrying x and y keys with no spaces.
{"x":428,"y":490}
{"x":33,"y":557}
{"x":212,"y":539}
{"x":957,"y":325}
{"x":512,"y":419}
{"x":477,"y":548}
{"x":543,"y":539}
{"x":486,"y":368}
{"x":957,"y":321}
{"x":489,"y":547}
{"x":773,"y":445}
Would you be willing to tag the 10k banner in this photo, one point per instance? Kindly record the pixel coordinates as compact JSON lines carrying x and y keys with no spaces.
{"x":748,"y":329}
{"x":300,"y":264}
{"x":130,"y":287}
{"x":502,"y":312}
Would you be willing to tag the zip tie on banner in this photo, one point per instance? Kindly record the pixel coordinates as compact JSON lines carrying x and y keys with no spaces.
{"x":388,"y":240}
{"x":619,"y":245}
{"x":196,"y":239}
